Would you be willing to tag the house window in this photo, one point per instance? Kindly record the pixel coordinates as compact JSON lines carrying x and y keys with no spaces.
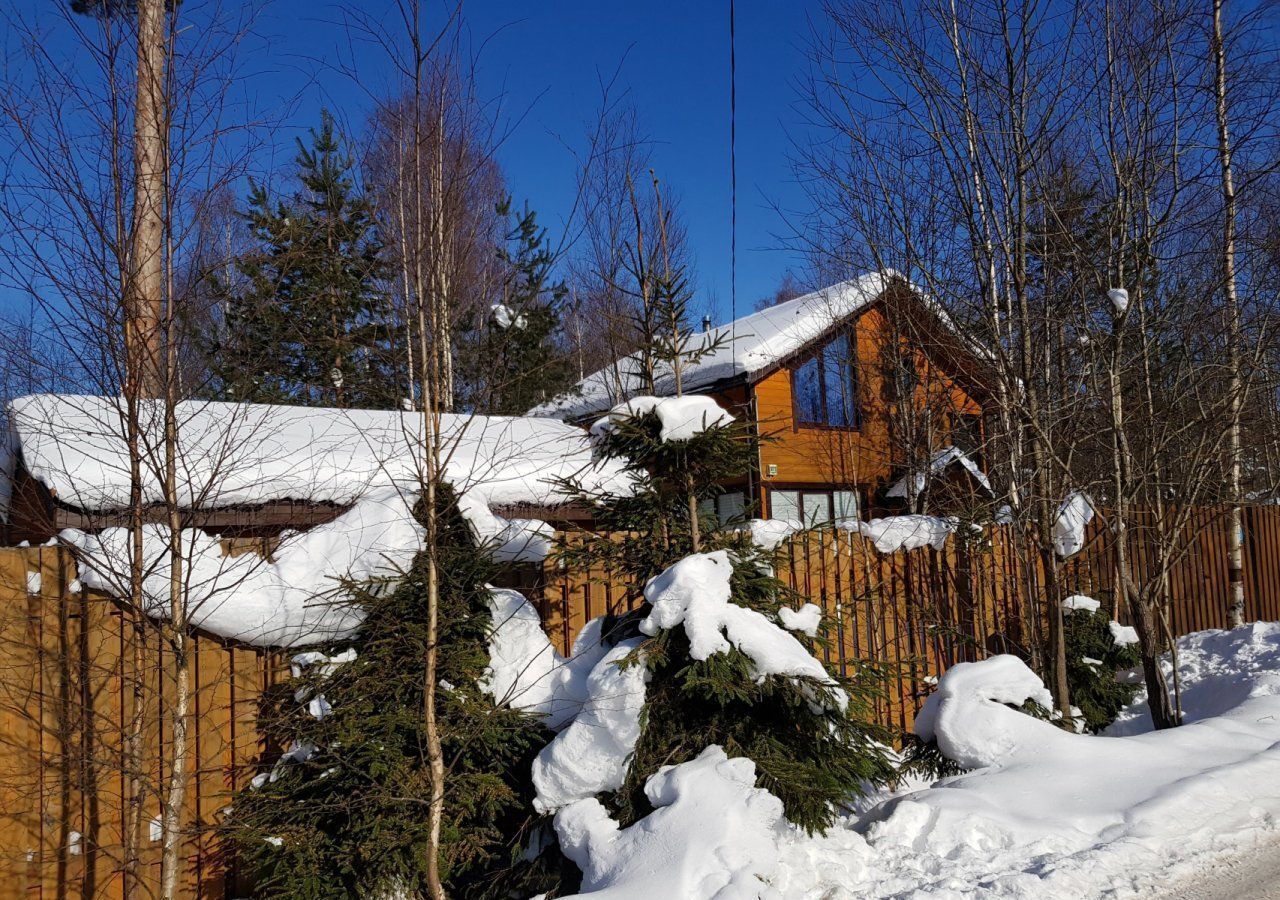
{"x":731,"y":507}
{"x":848,"y":509}
{"x":814,"y":508}
{"x":825,"y":386}
{"x":904,"y":376}
{"x":784,"y":505}
{"x":728,"y":507}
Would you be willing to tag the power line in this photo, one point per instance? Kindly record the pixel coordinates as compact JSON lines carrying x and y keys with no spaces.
{"x":732,"y":163}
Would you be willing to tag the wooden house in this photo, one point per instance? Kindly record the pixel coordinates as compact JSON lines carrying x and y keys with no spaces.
{"x":854,"y":388}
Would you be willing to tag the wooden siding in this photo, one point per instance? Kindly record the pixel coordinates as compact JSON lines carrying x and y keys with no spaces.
{"x":864,"y":456}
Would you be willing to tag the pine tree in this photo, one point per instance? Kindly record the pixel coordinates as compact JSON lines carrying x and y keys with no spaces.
{"x":305,"y":320}
{"x":344,"y":813}
{"x":811,"y":750}
{"x":514,"y":357}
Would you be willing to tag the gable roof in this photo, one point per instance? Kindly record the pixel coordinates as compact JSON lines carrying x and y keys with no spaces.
{"x":234,"y":454}
{"x":744,"y":349}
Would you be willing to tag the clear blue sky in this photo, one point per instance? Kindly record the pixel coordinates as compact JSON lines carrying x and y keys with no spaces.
{"x":545,"y":61}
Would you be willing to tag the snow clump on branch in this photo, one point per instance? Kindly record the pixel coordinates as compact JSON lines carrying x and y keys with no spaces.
{"x":682,"y":417}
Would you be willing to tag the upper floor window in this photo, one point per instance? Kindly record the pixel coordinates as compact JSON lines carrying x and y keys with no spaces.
{"x":825,"y":386}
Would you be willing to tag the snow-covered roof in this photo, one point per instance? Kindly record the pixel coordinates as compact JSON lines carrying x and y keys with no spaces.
{"x":234,"y":453}
{"x":746,"y":346}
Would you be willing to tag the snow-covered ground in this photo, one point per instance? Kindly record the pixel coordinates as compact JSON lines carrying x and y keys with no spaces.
{"x":1043,"y":813}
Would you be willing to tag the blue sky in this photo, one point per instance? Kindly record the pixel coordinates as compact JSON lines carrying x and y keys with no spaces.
{"x":544,"y":61}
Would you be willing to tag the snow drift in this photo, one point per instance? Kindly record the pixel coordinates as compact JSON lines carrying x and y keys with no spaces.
{"x":712,"y":834}
{"x":1043,"y":814}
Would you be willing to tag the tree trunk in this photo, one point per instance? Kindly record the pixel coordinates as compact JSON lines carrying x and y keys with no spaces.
{"x":1140,"y":609}
{"x":435,"y":386}
{"x":131,"y":760}
{"x":1235,"y":557}
{"x":149,"y":146}
{"x":171,"y":823}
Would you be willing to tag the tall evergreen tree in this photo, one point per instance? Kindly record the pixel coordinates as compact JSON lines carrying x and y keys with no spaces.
{"x":806,"y":735}
{"x":305,"y":319}
{"x":514,"y":359}
{"x":343,"y":814}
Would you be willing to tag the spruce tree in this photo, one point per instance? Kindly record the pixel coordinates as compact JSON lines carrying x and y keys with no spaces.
{"x":1094,"y":660}
{"x":305,"y":319}
{"x":513,"y":359}
{"x":344,"y":813}
{"x":811,"y":748}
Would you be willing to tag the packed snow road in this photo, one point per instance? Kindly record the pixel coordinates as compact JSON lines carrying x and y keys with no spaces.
{"x":1255,"y":876}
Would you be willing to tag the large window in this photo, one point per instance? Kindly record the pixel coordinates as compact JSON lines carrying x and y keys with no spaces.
{"x":825,"y":386}
{"x":813,"y":508}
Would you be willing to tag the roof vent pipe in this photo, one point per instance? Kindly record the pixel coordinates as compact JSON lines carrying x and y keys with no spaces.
{"x":706,"y":323}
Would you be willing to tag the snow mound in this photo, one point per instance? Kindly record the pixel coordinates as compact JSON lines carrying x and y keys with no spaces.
{"x":805,"y":620}
{"x":1119,"y":298}
{"x":767,"y":534}
{"x":712,"y":835}
{"x":1123,"y":635}
{"x":290,"y":600}
{"x":1080,"y":602}
{"x":1068,"y":528}
{"x":506,"y":540}
{"x":505,"y":317}
{"x":695,"y":593}
{"x":969,"y":715}
{"x":682,"y":418}
{"x":525,"y":671}
{"x":591,"y":754}
{"x":1218,"y":671}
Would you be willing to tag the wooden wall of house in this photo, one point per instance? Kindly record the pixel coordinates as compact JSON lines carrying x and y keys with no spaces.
{"x":864,"y":456}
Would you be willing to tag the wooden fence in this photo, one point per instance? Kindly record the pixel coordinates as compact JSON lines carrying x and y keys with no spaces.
{"x":914,"y":613}
{"x":69,"y":665}
{"x":1196,"y":574}
{"x":70,"y":662}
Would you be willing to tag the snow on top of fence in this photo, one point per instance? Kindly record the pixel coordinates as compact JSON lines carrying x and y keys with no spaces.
{"x":240,"y":453}
{"x":888,"y":535}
